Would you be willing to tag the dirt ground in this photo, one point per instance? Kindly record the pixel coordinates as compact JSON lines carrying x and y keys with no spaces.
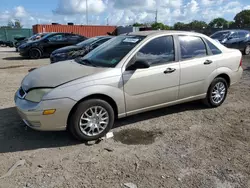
{"x":185,"y":146}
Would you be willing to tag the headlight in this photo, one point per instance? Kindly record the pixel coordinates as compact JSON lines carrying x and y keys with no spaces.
{"x":36,"y":95}
{"x":24,"y":45}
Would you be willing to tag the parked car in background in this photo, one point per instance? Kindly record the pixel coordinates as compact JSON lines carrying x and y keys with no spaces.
{"x":134,"y":73}
{"x":46,"y":45}
{"x":6,"y":43}
{"x":30,"y":39}
{"x":80,"y":49}
{"x":239,"y":39}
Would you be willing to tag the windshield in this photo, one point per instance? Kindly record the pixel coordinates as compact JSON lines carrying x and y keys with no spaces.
{"x":87,"y":42}
{"x":111,"y":53}
{"x":220,"y":35}
{"x":37,"y":36}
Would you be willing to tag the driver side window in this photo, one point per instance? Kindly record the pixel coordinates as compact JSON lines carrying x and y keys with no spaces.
{"x":57,"y":38}
{"x":158,"y":51}
{"x":234,"y":35}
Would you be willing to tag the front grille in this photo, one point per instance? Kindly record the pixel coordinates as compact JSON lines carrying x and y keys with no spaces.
{"x":22,"y":93}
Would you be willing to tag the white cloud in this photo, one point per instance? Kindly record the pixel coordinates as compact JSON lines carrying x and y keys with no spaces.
{"x":247,"y":7}
{"x":124,"y":12}
{"x":71,"y":7}
{"x":20,"y":12}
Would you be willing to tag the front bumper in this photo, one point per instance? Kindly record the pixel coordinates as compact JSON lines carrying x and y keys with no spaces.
{"x":24,"y":53}
{"x":32,"y":113}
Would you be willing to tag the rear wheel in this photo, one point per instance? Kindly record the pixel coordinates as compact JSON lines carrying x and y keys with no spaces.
{"x":91,"y":120}
{"x":35,"y":53}
{"x":217,"y":92}
{"x":247,"y":50}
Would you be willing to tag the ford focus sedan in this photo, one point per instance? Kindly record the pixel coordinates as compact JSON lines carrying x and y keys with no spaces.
{"x":127,"y":75}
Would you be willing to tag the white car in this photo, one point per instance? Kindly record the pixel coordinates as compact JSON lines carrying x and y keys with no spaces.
{"x":127,"y":75}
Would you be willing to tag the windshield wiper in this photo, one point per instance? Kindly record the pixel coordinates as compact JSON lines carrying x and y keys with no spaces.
{"x":85,"y":62}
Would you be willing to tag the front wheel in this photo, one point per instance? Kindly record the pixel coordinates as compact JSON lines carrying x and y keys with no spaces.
{"x":91,"y":119}
{"x":247,"y":50}
{"x":217,"y":92}
{"x":35,"y":53}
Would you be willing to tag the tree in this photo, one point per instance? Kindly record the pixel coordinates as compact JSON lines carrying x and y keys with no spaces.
{"x":197,"y":25}
{"x":138,"y":24}
{"x":218,"y":23}
{"x":180,"y":26}
{"x":242,"y":19}
{"x":17,"y":24}
{"x":159,"y":25}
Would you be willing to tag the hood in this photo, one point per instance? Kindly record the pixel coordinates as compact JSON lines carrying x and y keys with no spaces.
{"x":67,"y":49}
{"x":53,"y":75}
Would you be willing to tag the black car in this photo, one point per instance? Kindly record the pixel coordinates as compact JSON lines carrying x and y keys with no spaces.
{"x":239,"y":39}
{"x":80,"y":49}
{"x":46,"y":45}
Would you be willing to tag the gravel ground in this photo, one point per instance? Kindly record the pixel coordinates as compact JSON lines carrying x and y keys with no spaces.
{"x":186,"y":145}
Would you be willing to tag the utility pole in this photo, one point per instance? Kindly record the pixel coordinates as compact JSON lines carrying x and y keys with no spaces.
{"x":156,"y":16}
{"x":107,"y":21}
{"x":87,"y":16}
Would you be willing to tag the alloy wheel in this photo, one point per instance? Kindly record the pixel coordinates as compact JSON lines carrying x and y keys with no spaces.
{"x":94,"y":121}
{"x":218,"y":92}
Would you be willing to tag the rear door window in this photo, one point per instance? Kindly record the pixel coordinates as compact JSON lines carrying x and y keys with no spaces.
{"x":213,"y":48}
{"x":158,"y":51}
{"x":192,"y":47}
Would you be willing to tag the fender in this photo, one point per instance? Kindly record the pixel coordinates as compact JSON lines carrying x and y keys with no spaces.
{"x":214,"y":74}
{"x":115,"y":93}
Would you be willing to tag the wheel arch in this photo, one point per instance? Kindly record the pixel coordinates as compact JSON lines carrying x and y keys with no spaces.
{"x":226,"y":77}
{"x":36,"y":48}
{"x":104,"y":97}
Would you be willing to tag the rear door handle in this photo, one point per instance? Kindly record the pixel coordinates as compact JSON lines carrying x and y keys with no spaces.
{"x":207,"y":62}
{"x":169,"y":70}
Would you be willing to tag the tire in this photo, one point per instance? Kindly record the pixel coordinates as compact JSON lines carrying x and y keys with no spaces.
{"x":35,"y":53}
{"x":247,"y":50}
{"x":89,"y":131}
{"x":211,"y":96}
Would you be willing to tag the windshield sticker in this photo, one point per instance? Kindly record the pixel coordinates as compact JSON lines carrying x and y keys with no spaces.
{"x":131,"y":40}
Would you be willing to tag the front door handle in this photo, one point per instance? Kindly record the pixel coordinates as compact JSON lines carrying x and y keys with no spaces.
{"x":169,"y":70}
{"x":207,"y":62}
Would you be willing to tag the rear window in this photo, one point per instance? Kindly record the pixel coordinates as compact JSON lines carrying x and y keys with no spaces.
{"x":192,"y":47}
{"x":213,"y":48}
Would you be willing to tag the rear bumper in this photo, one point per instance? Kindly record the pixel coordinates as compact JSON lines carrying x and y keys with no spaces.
{"x":32,"y":113}
{"x":236,"y":76}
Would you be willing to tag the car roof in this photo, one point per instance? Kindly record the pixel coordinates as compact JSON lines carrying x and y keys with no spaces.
{"x":157,"y":32}
{"x":233,"y":30}
{"x":104,"y":36}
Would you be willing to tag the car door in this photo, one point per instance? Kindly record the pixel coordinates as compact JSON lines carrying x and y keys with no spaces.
{"x":243,"y":35}
{"x":54,"y":42}
{"x":233,"y":40}
{"x":196,"y":64}
{"x":72,"y":39}
{"x":159,"y":84}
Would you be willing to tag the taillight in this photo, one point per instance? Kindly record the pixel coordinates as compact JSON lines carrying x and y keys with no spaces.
{"x":240,"y":63}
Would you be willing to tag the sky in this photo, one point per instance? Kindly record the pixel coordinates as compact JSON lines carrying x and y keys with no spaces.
{"x":117,"y":12}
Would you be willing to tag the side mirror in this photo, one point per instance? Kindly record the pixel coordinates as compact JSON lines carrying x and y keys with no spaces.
{"x":230,"y":37}
{"x":46,"y":40}
{"x":139,"y":64}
